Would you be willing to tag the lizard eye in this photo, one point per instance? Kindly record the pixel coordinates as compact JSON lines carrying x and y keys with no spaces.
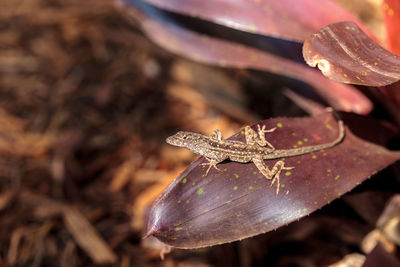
{"x":184,"y":137}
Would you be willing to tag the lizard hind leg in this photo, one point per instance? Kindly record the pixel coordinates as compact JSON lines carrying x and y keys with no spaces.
{"x":272,"y":174}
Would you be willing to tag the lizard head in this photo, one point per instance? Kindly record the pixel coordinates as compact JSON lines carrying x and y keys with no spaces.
{"x":186,"y":139}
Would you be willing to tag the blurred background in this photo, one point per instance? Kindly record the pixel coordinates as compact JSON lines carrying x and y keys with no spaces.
{"x":86,"y":102}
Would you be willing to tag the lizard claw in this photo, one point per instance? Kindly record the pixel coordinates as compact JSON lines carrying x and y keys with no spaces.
{"x":263,"y":131}
{"x":210,"y":164}
{"x":276,"y":178}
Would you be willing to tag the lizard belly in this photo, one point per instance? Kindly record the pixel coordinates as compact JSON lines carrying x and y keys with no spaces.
{"x":241,"y":158}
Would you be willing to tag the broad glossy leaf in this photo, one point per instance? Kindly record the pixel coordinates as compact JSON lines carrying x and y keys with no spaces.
{"x":238,"y":202}
{"x":206,"y":49}
{"x":380,"y":257}
{"x":345,"y":54}
{"x":287,"y":19}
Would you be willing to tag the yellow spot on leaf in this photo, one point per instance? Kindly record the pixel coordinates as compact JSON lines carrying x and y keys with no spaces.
{"x":314,"y":156}
{"x":283,"y":185}
{"x":250,"y":187}
{"x":253,"y":27}
{"x":328,"y":170}
{"x":200,"y":191}
{"x":225,"y":170}
{"x":253,"y":57}
{"x":229,"y":201}
{"x":184,"y":181}
{"x":178,"y":228}
{"x":288,"y":173}
{"x":193,"y":183}
{"x":242,"y":132}
{"x":385,"y":6}
{"x":222,"y":63}
{"x":279,"y":125}
{"x":235,"y":187}
{"x":300,"y":143}
{"x":305,"y":209}
{"x":337,"y":177}
{"x":254,"y":172}
{"x":179,"y":202}
{"x":305,"y":139}
{"x":294,"y":146}
{"x":345,"y":75}
{"x":236,"y":175}
{"x":347,"y":28}
{"x":187,"y":201}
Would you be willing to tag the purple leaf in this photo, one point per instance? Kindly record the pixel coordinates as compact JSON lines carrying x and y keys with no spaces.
{"x":239,"y":202}
{"x":345,"y":54}
{"x":380,"y":257}
{"x":287,"y":19}
{"x":214,"y":51}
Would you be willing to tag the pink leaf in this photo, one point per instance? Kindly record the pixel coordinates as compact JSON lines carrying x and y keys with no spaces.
{"x":287,"y":19}
{"x":215,"y":51}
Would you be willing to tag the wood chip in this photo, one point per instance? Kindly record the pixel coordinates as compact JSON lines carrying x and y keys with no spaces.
{"x":15,"y":240}
{"x":87,"y":237}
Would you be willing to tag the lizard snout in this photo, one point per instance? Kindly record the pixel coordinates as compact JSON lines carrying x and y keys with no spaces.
{"x":170,"y":140}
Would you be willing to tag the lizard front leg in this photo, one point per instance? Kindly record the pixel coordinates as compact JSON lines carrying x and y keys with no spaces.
{"x":211,"y":163}
{"x":253,"y":137}
{"x":273,"y":173}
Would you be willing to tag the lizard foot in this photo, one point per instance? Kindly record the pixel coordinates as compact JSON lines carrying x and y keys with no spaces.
{"x":276,"y":177}
{"x":262,"y":131}
{"x":210,"y":164}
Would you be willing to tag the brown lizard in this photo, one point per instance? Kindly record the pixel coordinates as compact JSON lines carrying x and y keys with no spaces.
{"x":256,"y":149}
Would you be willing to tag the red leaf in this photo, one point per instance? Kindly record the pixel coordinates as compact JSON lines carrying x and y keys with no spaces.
{"x":239,"y":202}
{"x":287,"y":19}
{"x":345,"y":54}
{"x":391,"y":11}
{"x":214,"y":51}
